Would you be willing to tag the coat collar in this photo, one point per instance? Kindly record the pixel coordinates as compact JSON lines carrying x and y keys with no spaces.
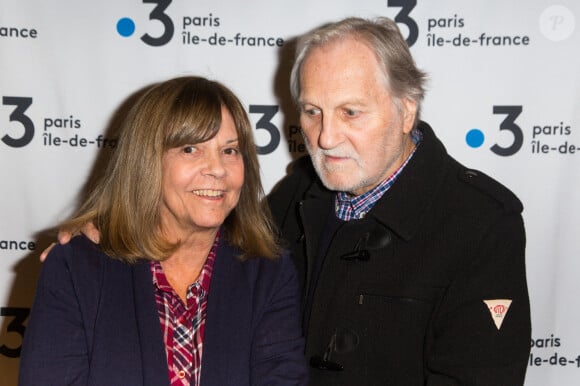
{"x":416,"y":186}
{"x":221,"y":335}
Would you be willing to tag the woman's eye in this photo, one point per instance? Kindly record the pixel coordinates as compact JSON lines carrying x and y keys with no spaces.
{"x":189,"y":149}
{"x":232,"y":151}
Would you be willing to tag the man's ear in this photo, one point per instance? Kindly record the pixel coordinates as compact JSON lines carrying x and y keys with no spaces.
{"x":409,"y":114}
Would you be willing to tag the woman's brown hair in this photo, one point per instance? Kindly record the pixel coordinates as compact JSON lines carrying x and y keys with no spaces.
{"x":125,"y":204}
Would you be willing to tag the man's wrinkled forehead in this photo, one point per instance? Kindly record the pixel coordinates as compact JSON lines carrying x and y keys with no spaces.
{"x":373,"y":65}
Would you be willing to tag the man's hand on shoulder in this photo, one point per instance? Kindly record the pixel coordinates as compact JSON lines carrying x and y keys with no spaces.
{"x":64,"y":237}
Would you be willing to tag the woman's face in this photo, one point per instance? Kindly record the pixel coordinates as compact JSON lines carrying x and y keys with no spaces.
{"x":202,"y":182}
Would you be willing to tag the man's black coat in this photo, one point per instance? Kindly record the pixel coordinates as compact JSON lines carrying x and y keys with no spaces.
{"x":401,"y":297}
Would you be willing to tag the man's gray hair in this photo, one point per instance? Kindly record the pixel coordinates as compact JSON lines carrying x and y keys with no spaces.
{"x":382,"y":35}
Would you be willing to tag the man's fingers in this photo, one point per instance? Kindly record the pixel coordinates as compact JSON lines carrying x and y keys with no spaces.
{"x":91,"y":232}
{"x":46,"y":252}
{"x":64,"y":236}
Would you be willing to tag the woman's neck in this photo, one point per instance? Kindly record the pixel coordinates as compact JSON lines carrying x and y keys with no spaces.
{"x":184,"y":266}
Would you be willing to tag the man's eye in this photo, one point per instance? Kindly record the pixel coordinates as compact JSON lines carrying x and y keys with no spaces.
{"x":310,"y":111}
{"x":351,"y":113}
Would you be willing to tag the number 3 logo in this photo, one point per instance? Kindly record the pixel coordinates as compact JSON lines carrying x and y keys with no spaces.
{"x":509,"y":124}
{"x":404,"y":18}
{"x":18,"y":115}
{"x":16,"y":326}
{"x":265,"y":123}
{"x":159,"y":14}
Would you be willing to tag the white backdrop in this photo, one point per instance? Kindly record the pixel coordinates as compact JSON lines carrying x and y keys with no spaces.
{"x":503,"y":96}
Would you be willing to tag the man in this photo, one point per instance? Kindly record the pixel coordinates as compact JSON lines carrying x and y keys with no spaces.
{"x":413,"y":265}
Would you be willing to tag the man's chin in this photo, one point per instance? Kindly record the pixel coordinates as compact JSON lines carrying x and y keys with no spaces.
{"x":335,"y":178}
{"x":338,"y":185}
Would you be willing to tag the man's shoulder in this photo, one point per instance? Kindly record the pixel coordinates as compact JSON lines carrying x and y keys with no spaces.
{"x":300,"y":176}
{"x":486,"y":188}
{"x":293,"y":188}
{"x":459,"y":183}
{"x":299,"y":170}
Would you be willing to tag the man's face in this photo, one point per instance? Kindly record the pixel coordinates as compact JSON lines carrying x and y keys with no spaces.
{"x":353,"y":131}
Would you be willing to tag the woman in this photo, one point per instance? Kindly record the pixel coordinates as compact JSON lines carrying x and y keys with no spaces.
{"x":187,"y":285}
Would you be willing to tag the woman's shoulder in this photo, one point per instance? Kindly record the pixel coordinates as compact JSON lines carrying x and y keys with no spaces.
{"x":80,"y":259}
{"x":78,"y":250}
{"x":282,"y":261}
{"x":268,"y":270}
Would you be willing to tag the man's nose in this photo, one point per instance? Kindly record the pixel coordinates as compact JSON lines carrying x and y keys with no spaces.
{"x":330,"y":133}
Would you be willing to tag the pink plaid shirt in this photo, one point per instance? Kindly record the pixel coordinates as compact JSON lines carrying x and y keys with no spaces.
{"x":182,"y":324}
